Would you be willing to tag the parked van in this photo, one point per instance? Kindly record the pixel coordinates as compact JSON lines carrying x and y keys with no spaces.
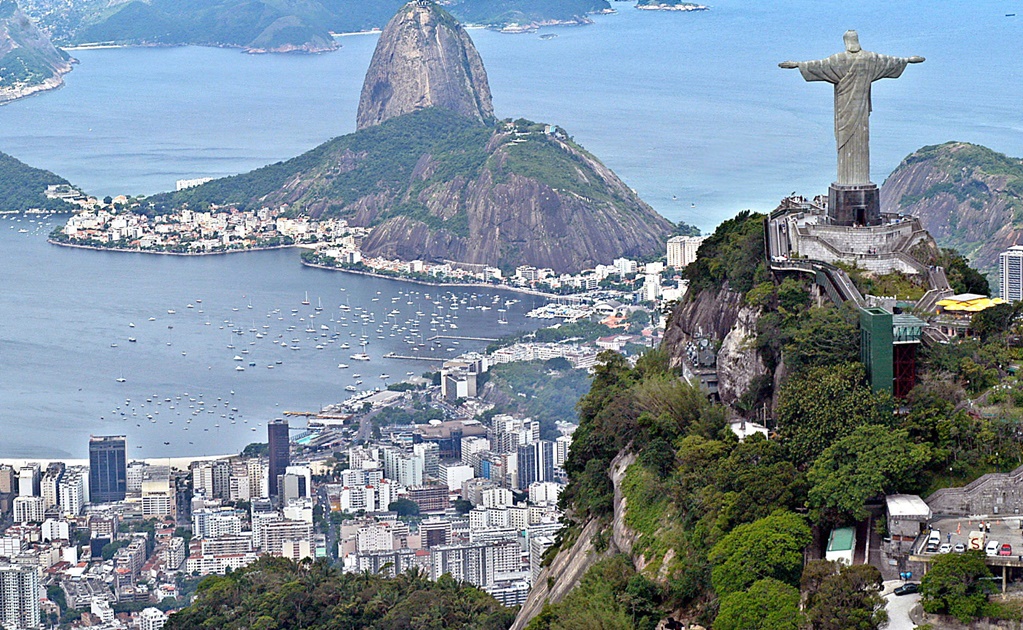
{"x":992,"y":548}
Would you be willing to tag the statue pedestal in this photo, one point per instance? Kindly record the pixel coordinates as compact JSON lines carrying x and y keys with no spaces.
{"x":854,"y":204}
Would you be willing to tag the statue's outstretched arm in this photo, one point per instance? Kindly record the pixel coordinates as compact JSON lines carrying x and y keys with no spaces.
{"x":915,"y":60}
{"x":790,"y":65}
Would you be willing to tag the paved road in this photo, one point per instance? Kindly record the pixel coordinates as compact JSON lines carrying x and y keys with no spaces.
{"x":898,"y":607}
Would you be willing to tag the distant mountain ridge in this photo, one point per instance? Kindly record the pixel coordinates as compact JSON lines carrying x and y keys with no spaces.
{"x":29,"y":62}
{"x":967,"y":196}
{"x":269,"y":25}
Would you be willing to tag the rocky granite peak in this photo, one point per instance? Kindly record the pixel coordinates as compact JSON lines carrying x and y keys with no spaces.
{"x":424,"y":58}
{"x":967,"y":196}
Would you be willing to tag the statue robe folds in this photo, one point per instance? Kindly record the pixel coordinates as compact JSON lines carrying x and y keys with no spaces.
{"x":852,"y":74}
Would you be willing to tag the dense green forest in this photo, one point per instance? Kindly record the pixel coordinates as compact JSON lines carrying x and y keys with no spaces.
{"x":722,"y":525}
{"x":278,"y":594}
{"x":22,"y":187}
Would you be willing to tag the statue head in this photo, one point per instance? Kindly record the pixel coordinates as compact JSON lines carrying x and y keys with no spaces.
{"x":852,"y":42}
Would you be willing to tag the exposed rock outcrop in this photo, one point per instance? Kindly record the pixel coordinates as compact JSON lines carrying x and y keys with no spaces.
{"x":721,"y":318}
{"x":707,"y":315}
{"x":29,"y":62}
{"x":513,"y":219}
{"x":967,"y":196}
{"x":424,"y":58}
{"x":570,"y":565}
{"x":738,"y":361}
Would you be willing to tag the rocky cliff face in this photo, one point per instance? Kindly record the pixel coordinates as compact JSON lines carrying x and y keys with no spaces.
{"x":424,"y":58}
{"x":738,"y":361}
{"x":513,"y":218}
{"x":29,"y":63}
{"x":567,"y":569}
{"x":721,"y":318}
{"x":967,"y":196}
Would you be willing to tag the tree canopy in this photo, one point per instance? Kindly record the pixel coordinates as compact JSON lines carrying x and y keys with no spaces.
{"x":872,"y":460}
{"x":769,"y":547}
{"x":768,"y":604}
{"x":825,"y":404}
{"x":840,"y":597}
{"x":954,"y":585}
{"x":278,"y":594}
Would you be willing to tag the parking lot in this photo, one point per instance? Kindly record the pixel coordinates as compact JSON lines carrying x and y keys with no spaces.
{"x":956,"y":531}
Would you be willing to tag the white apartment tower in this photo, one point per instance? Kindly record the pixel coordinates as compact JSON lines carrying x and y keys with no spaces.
{"x":152,"y":619}
{"x":19,"y":597}
{"x":682,"y":250}
{"x":72,"y":491}
{"x":1010,"y":273}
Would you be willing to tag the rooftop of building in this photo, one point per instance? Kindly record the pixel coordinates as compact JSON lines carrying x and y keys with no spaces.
{"x":907,"y":505}
{"x":969,"y":303}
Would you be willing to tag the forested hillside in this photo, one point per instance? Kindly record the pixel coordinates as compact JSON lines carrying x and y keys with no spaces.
{"x":22,"y":187}
{"x":711,"y":529}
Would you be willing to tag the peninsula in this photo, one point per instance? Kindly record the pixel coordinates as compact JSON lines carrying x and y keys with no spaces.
{"x":431,"y":176}
{"x":660,"y":5}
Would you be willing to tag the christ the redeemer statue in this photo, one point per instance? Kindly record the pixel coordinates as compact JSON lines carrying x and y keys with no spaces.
{"x":852,"y":199}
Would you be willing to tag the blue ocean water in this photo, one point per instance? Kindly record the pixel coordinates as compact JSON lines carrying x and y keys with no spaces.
{"x":690,"y":109}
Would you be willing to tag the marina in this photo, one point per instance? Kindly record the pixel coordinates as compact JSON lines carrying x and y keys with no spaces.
{"x":199,"y":365}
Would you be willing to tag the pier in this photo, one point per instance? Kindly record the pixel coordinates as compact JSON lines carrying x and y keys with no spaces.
{"x":460,"y":338}
{"x":317,"y":415}
{"x":392,"y":355}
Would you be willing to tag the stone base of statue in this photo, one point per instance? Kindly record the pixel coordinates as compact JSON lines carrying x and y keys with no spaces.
{"x":854,"y":204}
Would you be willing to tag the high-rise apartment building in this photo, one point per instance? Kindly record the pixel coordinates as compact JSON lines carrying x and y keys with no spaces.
{"x":108,"y":475}
{"x":430,"y":453}
{"x":49,"y":487}
{"x":682,"y":250}
{"x":71,"y":491}
{"x":135,"y":472}
{"x":212,"y":479}
{"x":279,"y":452}
{"x":1010,"y":273}
{"x":29,"y":510}
{"x":28,"y":480}
{"x":535,"y":463}
{"x":19,"y":597}
{"x":158,"y":496}
{"x":152,"y":619}
{"x":258,"y":483}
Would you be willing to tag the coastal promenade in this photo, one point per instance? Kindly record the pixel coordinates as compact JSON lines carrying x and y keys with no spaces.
{"x":136,"y":250}
{"x":464,"y":285}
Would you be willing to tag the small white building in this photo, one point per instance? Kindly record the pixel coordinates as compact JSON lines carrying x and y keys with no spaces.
{"x":908,"y":515}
